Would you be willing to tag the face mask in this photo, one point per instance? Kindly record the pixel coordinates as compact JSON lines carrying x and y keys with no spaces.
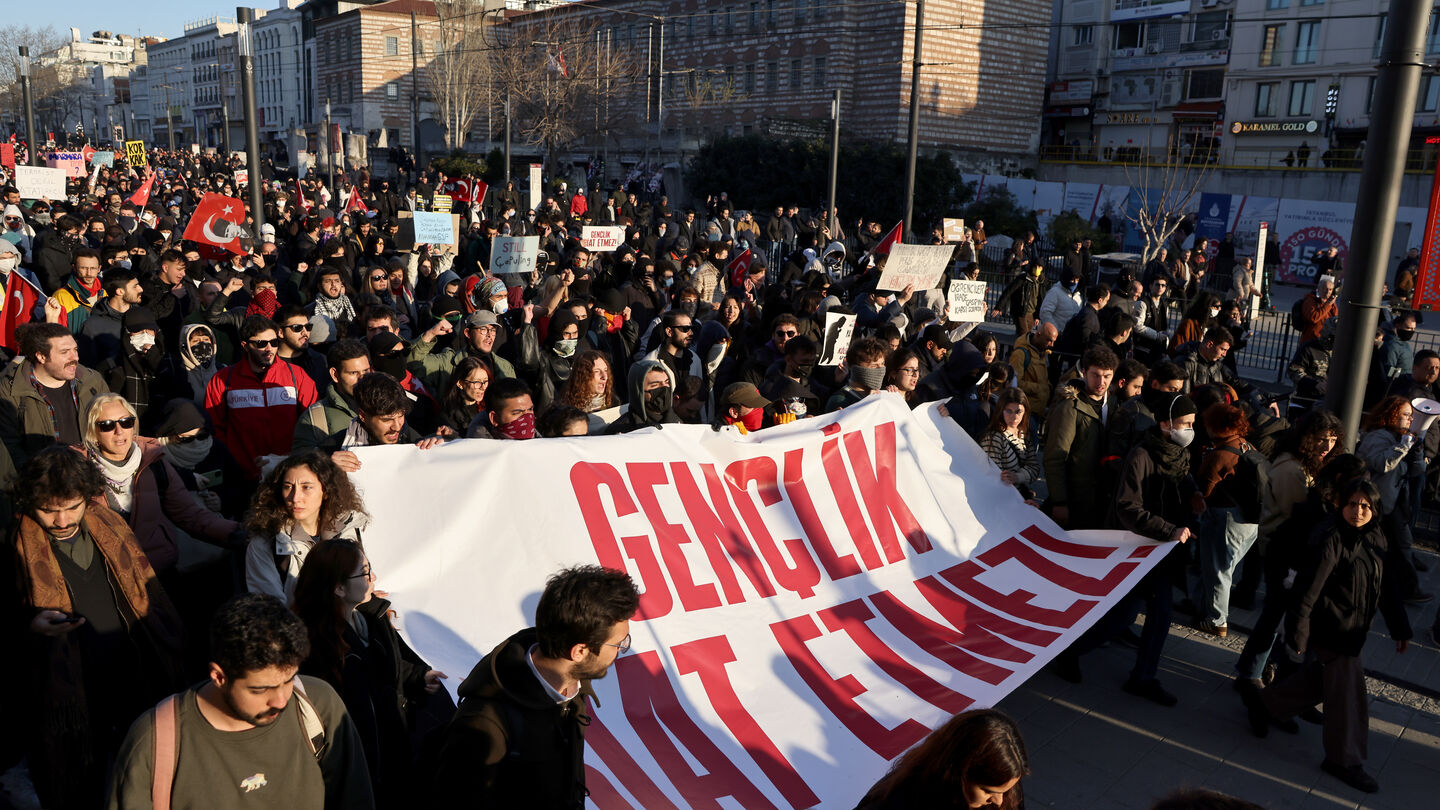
{"x":804,"y":369}
{"x":128,"y":223}
{"x":753,"y":420}
{"x":142,"y":341}
{"x":1214,"y":312}
{"x":687,"y":307}
{"x":165,"y":235}
{"x":188,"y":454}
{"x":501,"y":307}
{"x":1182,"y":436}
{"x":657,"y":402}
{"x":871,"y":379}
{"x":10,"y":262}
{"x":797,"y":407}
{"x":522,"y":428}
{"x":1405,"y":334}
{"x":42,"y":218}
{"x":565,"y":347}
{"x":394,"y":365}
{"x":669,"y":281}
{"x":1073,"y":286}
{"x":123,"y":263}
{"x":203,"y":351}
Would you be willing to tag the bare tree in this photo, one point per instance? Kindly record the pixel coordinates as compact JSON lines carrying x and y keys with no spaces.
{"x":40,"y":41}
{"x":1164,"y":190}
{"x":557,"y":79}
{"x":696,"y":89}
{"x":458,"y":75}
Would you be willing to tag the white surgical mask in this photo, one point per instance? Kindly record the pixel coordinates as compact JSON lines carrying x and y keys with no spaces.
{"x":1214,"y":312}
{"x":1182,"y":436}
{"x":501,"y":307}
{"x":142,"y":341}
{"x":9,"y":262}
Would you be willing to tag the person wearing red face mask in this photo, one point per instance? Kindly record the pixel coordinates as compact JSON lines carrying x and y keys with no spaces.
{"x":741,"y":404}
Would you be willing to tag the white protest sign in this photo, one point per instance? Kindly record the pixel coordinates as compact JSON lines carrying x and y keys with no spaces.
{"x":602,"y":238}
{"x":920,"y":266}
{"x":535,"y":186}
{"x":433,"y":229}
{"x":839,"y":329}
{"x":966,"y":301}
{"x":242,"y":177}
{"x":954,"y":229}
{"x":815,"y":597}
{"x":513,"y":254}
{"x":34,"y":182}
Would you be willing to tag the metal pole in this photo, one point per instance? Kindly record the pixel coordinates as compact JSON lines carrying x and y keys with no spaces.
{"x":507,"y":137}
{"x":252,"y":117}
{"x":169,"y":118}
{"x":329,"y":151}
{"x":914,"y":118}
{"x":834,"y":160}
{"x":415,"y":90}
{"x":660,"y":87}
{"x":29,"y":106}
{"x":649,"y":68}
{"x":1402,"y":58}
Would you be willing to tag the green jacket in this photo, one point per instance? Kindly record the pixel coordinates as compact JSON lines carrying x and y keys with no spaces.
{"x":329,"y":416}
{"x":26,"y":424}
{"x":434,"y":368}
{"x":1074,"y":443}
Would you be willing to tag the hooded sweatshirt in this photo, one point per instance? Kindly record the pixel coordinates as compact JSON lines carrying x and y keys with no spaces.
{"x":197,"y":372}
{"x":638,"y":416}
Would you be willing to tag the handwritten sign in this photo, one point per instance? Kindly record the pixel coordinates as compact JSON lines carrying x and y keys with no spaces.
{"x":954,"y":229}
{"x":135,"y":154}
{"x":34,"y":182}
{"x":103,"y":158}
{"x":839,"y":330}
{"x":513,"y":254}
{"x":242,"y":177}
{"x":72,"y":163}
{"x":602,"y":238}
{"x":917,"y":266}
{"x":966,"y":301}
{"x":433,"y":229}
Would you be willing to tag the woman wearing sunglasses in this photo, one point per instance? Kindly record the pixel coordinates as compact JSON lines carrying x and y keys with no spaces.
{"x":145,"y":488}
{"x":355,"y":648}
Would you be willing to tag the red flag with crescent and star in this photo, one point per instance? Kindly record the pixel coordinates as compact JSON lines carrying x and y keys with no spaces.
{"x":218,"y":222}
{"x":141,"y":197}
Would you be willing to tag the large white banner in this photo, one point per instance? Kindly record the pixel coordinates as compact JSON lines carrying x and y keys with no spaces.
{"x":1306,"y":226}
{"x":816,"y":597}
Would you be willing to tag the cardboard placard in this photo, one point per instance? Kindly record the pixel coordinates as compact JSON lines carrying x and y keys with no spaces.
{"x":535,"y":186}
{"x":917,"y":266}
{"x":7,"y":154}
{"x":103,"y":158}
{"x":433,"y":228}
{"x":966,"y":301}
{"x":839,"y":331}
{"x":34,"y":182}
{"x":405,"y":237}
{"x":602,"y":238}
{"x":242,"y":177}
{"x":513,"y":254}
{"x":135,"y":154}
{"x":954,"y":229}
{"x":72,"y":163}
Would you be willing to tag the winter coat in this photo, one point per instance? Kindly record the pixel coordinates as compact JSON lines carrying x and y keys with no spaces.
{"x":101,"y":336}
{"x":1340,"y":585}
{"x":1153,"y":496}
{"x":272,"y":564}
{"x":1074,"y":442}
{"x":1059,"y":306}
{"x":327,"y":417}
{"x":1021,"y":297}
{"x":1384,"y":454}
{"x":26,"y":424}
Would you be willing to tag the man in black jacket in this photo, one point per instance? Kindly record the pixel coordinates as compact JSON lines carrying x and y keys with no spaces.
{"x":517,"y":739}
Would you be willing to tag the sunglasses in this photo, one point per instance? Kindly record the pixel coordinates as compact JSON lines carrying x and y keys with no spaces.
{"x":201,"y":436}
{"x":298,"y":327}
{"x":260,"y":344}
{"x":108,"y":425}
{"x":686,"y":328}
{"x":378,"y":278}
{"x":782,"y":333}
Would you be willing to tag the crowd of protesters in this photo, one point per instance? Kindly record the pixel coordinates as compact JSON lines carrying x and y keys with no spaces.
{"x":178,"y":424}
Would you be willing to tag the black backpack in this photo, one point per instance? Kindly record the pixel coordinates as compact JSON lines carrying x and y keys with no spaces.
{"x":1249,"y":482}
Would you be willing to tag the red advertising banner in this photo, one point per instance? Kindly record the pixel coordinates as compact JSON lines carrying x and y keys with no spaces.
{"x":1427,"y":277}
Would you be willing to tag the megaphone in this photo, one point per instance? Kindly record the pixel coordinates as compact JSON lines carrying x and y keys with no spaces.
{"x":1425,"y":412}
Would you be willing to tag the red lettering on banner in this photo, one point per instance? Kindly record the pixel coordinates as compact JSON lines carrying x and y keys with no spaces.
{"x":716,"y":526}
{"x":645,"y":477}
{"x":587,"y":479}
{"x":803,"y":575}
{"x":624,"y":766}
{"x":1028,"y":556}
{"x":849,"y":507}
{"x":1017,"y":603}
{"x":708,"y":657}
{"x":949,"y":644}
{"x":604,"y":795}
{"x":876,"y":483}
{"x":851,"y":617}
{"x":652,"y":708}
{"x":1040,"y":539}
{"x":836,"y":566}
{"x":839,"y":695}
{"x":985,"y":629}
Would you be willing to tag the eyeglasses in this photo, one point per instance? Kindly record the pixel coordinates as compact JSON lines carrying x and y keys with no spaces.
{"x":365,"y":573}
{"x":683,"y":328}
{"x":623,"y":646}
{"x":202,"y":435}
{"x":914,"y":371}
{"x":108,"y":425}
{"x":485,"y":383}
{"x":785,"y":333}
{"x":260,"y":344}
{"x":379,"y":278}
{"x":298,"y":327}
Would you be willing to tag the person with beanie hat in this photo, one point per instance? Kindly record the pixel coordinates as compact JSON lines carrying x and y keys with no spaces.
{"x":142,"y":372}
{"x":1155,"y":500}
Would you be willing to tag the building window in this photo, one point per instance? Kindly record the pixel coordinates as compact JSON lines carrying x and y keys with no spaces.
{"x":772,"y":77}
{"x":750,"y":79}
{"x":1312,"y":2}
{"x":392,"y":90}
{"x":1432,"y":34}
{"x":392,"y":46}
{"x":770,"y":13}
{"x":1084,"y":35}
{"x":754,"y":15}
{"x":1205,"y":84}
{"x":821,"y":73}
{"x":1270,"y":45}
{"x":1302,"y":96}
{"x":1129,"y":35}
{"x":799,"y":11}
{"x":1429,"y":94}
{"x":1275,"y":5}
{"x":1210,"y":26}
{"x":1370,"y":95}
{"x":1267,"y":99}
{"x":729,"y":20}
{"x":714,"y":22}
{"x":796,"y":80}
{"x":1307,"y":42}
{"x":1380,"y":35}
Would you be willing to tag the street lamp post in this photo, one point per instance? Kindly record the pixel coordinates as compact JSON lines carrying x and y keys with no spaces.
{"x":29,"y":105}
{"x":245,"y":17}
{"x":329,"y":149}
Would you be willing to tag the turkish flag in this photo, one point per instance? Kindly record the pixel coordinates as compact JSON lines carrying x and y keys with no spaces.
{"x":141,"y":197}
{"x":218,"y":222}
{"x":356,"y":204}
{"x":20,"y":299}
{"x":300,"y":199}
{"x":891,"y":239}
{"x":739,"y":268}
{"x":458,"y":189}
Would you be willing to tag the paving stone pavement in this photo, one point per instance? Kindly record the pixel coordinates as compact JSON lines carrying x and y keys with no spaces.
{"x":1094,"y":747}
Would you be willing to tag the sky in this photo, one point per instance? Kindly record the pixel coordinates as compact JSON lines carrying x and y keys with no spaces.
{"x":165,"y":18}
